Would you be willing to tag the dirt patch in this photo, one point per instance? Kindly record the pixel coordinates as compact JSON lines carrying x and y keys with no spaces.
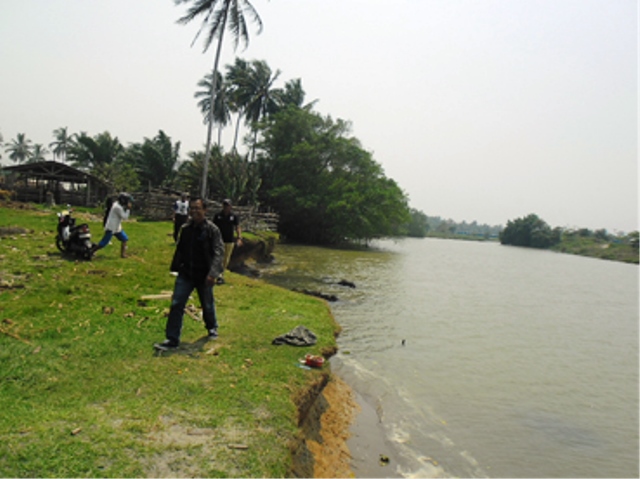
{"x":13,"y":230}
{"x":327,"y":409}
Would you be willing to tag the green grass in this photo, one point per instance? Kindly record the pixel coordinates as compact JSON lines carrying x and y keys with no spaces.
{"x":82,"y":392}
{"x":596,"y":248}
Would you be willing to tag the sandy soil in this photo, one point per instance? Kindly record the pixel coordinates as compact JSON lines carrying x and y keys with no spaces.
{"x":331,"y":454}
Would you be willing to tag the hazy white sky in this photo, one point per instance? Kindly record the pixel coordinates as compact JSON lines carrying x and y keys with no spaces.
{"x":483,"y":110}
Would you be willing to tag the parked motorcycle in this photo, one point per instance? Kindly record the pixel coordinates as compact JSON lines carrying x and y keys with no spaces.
{"x":73,"y":238}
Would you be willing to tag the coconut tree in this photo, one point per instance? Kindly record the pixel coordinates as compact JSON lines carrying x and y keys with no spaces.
{"x":218,"y":15}
{"x":221,"y":112}
{"x":37,"y":153}
{"x":62,"y":143}
{"x":257,"y":96}
{"x":20,"y":148}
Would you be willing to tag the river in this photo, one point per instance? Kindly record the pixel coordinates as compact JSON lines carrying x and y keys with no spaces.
{"x":482,"y":360}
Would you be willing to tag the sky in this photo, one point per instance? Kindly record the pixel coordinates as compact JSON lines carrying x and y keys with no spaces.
{"x":480,"y":110}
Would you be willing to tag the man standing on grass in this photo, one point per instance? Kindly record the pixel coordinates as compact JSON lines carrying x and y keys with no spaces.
{"x":198,"y":262}
{"x":228,"y":223}
{"x":180,"y":215}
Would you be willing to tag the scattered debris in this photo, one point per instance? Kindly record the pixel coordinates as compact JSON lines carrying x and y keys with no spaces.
{"x":192,"y":311}
{"x":14,"y":336}
{"x":107,"y":310}
{"x":76,"y":431}
{"x":142,"y":321}
{"x":349,"y":284}
{"x":156,"y":296}
{"x":384,"y":460}
{"x":242,"y":447}
{"x":13,"y":230}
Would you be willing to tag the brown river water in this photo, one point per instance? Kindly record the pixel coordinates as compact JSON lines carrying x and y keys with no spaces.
{"x":480,"y":360}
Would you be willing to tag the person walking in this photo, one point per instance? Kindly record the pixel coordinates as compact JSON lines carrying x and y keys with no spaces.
{"x":180,"y":215}
{"x":119,"y":212}
{"x":198,"y":262}
{"x":228,"y":223}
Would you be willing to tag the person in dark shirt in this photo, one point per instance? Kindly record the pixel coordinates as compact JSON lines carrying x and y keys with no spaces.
{"x":198,"y":262}
{"x":228,"y":223}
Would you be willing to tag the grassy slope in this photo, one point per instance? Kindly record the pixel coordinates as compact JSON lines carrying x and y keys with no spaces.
{"x":595,"y":248}
{"x":76,"y":369}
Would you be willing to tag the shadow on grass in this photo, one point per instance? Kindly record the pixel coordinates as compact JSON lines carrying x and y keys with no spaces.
{"x":185,"y":348}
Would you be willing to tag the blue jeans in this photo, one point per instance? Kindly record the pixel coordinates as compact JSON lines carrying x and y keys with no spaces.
{"x":108,"y":234}
{"x":181,"y":292}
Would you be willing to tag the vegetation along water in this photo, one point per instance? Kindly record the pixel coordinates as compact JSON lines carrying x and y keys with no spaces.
{"x":516,"y":362}
{"x":82,"y":393}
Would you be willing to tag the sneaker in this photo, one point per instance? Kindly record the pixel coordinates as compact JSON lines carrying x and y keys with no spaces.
{"x":213,"y":334}
{"x":166,"y":345}
{"x":220,"y":280}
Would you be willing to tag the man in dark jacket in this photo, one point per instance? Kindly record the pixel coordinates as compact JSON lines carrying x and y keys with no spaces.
{"x":198,"y":262}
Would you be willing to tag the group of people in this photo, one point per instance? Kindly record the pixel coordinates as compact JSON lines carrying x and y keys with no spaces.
{"x":203,"y":250}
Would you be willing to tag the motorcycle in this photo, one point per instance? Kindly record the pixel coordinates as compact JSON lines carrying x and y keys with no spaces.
{"x":73,"y":238}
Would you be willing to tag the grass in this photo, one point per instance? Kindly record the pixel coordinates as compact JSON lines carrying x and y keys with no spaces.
{"x":82,"y":392}
{"x":596,"y":248}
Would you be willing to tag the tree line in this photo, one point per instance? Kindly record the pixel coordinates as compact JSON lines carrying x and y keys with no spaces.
{"x":533,"y":232}
{"x":304,"y":165}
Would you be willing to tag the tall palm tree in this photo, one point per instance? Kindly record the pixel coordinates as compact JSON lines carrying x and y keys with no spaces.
{"x":237,"y":76}
{"x":258,"y":97}
{"x":62,"y":143}
{"x":37,"y":153}
{"x":221,"y":112}
{"x":217,"y":14}
{"x":19,"y":149}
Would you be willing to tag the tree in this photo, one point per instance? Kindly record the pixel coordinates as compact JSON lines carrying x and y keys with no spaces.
{"x":325,"y":187}
{"x":154,"y":160}
{"x":419,"y":226}
{"x":216,"y":14}
{"x":102,"y":156}
{"x":37,"y":154}
{"x":254,"y":93}
{"x":1,"y":141}
{"x":530,"y":231}
{"x":19,"y":149}
{"x":62,"y":143}
{"x":221,"y":114}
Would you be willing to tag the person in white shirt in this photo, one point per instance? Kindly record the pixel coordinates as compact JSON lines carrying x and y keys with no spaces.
{"x":180,"y":215}
{"x":113,"y":227}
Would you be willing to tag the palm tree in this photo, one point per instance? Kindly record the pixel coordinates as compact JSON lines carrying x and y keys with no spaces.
{"x":37,"y":154}
{"x":19,"y":149}
{"x":154,"y":160}
{"x":221,"y":112}
{"x":1,"y":140}
{"x":257,"y":96}
{"x":62,"y":144}
{"x":216,"y":14}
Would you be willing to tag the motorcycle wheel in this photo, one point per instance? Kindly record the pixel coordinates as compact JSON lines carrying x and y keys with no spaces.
{"x":87,"y":251}
{"x":60,"y":244}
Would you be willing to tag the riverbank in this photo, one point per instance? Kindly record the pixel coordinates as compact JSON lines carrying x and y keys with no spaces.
{"x":84,"y":395}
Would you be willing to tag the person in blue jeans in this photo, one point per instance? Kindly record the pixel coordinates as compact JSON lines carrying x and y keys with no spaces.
{"x":198,"y":261}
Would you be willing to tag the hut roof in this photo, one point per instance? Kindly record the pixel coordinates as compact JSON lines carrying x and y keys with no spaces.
{"x":52,"y":170}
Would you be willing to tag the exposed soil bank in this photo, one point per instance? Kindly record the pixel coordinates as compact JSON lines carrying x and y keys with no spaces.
{"x":326,"y":411}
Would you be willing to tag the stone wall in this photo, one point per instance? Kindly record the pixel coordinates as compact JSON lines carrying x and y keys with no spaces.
{"x":159,"y":207}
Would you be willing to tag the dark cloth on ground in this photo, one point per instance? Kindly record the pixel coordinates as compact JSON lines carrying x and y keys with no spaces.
{"x":298,"y":336}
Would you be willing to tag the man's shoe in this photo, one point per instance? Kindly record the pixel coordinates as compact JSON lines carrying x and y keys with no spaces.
{"x":220,"y":280}
{"x":166,"y":345}
{"x":213,"y":334}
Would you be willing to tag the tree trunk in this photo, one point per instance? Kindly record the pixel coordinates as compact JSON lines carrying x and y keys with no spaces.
{"x":207,"y":155}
